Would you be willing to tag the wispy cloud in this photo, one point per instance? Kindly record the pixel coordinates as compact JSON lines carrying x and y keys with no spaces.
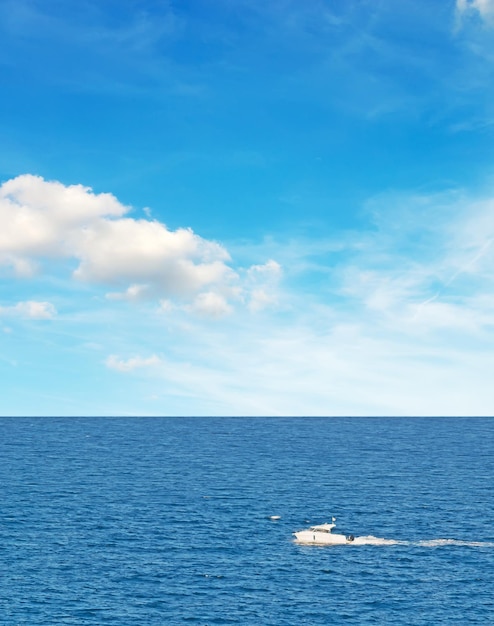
{"x":210,"y":304}
{"x":404,"y":324}
{"x":133,"y":363}
{"x":31,"y":309}
{"x":112,"y":55}
{"x":428,"y":259}
{"x":480,"y":8}
{"x":324,"y":366}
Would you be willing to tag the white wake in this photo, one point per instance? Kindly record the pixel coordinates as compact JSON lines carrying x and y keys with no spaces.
{"x":370,"y":540}
{"x":435,"y":543}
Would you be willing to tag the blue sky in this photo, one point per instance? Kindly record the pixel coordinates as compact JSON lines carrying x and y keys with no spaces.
{"x":246,"y":208}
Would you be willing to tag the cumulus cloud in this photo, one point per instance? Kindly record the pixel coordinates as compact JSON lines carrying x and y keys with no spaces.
{"x":177,"y":262}
{"x":42,"y":220}
{"x":31,"y":309}
{"x":129,"y":365}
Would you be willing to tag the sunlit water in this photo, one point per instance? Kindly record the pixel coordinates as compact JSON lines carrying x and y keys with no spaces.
{"x":167,"y":521}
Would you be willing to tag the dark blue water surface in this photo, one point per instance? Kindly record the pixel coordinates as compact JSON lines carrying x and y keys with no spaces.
{"x":152,"y":521}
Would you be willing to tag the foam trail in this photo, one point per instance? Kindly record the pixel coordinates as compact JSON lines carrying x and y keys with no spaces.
{"x":435,"y":543}
{"x":370,"y":540}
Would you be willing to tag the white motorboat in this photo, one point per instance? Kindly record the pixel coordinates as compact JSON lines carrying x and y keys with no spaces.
{"x":322,"y":535}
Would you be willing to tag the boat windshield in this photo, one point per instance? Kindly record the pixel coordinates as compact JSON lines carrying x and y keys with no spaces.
{"x":324,"y":528}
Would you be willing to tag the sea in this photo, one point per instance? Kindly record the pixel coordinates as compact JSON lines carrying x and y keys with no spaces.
{"x":163,"y":521}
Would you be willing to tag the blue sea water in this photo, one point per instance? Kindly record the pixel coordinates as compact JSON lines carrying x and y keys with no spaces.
{"x":154,"y":521}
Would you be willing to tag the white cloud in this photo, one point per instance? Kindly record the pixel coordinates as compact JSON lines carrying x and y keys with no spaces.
{"x":210,"y":304}
{"x":42,"y":220}
{"x":129,"y":365}
{"x":174,"y":262}
{"x":206,"y":305}
{"x":271,"y":269}
{"x":404,"y":325}
{"x":410,"y":326}
{"x":31,"y":309}
{"x":260,"y":299}
{"x":132,"y":293}
{"x":306,"y":369}
{"x":262,"y":281}
{"x":166,"y":306}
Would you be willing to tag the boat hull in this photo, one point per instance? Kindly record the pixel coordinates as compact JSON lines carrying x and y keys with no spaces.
{"x":320,"y":538}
